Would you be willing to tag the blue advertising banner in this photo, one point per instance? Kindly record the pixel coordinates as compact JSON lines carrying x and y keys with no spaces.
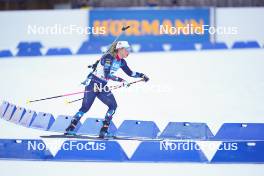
{"x":155,"y":25}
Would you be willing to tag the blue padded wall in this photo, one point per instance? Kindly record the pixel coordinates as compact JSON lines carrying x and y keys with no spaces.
{"x":241,"y":131}
{"x":9,"y":112}
{"x":186,"y":130}
{"x":248,"y":44}
{"x":3,"y":108}
{"x":136,"y":128}
{"x":5,"y":53}
{"x":240,"y":152}
{"x":59,"y":51}
{"x":218,"y":45}
{"x":28,"y":118}
{"x":43,"y":121}
{"x":29,"y":49}
{"x":61,"y":123}
{"x":18,"y":114}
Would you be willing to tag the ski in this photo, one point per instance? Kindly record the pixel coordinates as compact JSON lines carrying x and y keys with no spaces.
{"x":105,"y":138}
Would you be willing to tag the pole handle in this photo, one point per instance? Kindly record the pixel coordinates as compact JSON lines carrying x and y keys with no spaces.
{"x":125,"y":28}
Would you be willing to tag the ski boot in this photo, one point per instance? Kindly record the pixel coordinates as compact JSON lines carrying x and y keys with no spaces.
{"x":70,"y":129}
{"x":104,"y":130}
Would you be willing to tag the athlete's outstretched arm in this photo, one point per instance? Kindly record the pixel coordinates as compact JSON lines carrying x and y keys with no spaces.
{"x":129,"y":72}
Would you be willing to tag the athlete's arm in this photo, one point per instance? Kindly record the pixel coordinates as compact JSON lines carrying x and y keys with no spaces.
{"x":129,"y":72}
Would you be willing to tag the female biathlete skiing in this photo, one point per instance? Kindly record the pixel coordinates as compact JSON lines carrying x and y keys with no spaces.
{"x":107,"y":66}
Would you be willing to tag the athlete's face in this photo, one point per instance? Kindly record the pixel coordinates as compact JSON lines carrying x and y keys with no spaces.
{"x":123,"y":53}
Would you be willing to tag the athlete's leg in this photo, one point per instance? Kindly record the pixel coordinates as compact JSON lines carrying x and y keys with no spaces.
{"x":87,"y":102}
{"x":108,"y":99}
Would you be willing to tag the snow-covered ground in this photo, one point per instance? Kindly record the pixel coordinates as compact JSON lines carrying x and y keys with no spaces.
{"x":197,"y":86}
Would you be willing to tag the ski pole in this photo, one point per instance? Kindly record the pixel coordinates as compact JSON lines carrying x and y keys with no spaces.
{"x":122,"y":85}
{"x":112,"y":88}
{"x":57,"y":96}
{"x":69,"y":102}
{"x":65,"y":95}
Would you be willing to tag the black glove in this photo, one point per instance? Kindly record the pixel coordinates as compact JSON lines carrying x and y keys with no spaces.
{"x":145,"y":78}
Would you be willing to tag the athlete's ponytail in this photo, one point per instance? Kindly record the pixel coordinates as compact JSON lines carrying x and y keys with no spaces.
{"x":113,"y":50}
